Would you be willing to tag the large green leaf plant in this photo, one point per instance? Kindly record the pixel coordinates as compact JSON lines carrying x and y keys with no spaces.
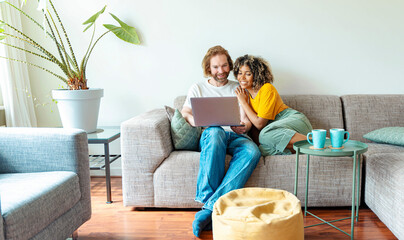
{"x":74,"y":73}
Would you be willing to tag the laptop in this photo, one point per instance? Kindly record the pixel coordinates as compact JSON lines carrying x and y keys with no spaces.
{"x":215,"y":111}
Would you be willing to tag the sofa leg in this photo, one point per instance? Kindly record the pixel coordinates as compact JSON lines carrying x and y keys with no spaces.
{"x":75,"y":235}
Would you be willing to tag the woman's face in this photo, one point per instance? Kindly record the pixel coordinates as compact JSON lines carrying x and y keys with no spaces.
{"x":245,"y":77}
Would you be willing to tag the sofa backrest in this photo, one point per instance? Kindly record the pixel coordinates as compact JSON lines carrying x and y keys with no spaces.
{"x":323,"y":111}
{"x":179,"y":102}
{"x":364,"y":113}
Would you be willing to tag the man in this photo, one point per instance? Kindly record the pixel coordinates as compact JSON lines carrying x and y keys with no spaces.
{"x":215,"y":142}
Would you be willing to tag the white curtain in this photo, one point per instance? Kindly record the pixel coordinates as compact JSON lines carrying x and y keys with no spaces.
{"x":14,"y":80}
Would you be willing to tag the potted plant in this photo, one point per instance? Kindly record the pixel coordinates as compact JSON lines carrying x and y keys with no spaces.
{"x":86,"y":100}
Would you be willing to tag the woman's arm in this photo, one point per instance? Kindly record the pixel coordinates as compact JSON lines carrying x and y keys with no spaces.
{"x":245,"y":121}
{"x":258,"y":122}
{"x":243,"y":97}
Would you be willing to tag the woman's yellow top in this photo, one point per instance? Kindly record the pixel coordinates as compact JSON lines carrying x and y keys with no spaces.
{"x":268,"y":103}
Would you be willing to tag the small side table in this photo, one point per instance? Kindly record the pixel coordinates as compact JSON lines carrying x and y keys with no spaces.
{"x":99,"y":162}
{"x":351,"y":149}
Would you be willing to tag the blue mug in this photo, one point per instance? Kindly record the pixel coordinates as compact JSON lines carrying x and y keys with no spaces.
{"x":337,"y":137}
{"x":318,"y":136}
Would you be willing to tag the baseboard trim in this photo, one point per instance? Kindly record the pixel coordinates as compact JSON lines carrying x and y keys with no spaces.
{"x":115,"y":172}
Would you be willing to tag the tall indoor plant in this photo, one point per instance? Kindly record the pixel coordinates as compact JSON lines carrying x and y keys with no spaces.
{"x":74,"y":73}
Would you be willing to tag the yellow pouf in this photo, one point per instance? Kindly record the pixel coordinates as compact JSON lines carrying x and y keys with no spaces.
{"x":257,"y":214}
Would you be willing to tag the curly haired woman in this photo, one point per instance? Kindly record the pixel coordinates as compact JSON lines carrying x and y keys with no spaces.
{"x":277,"y":126}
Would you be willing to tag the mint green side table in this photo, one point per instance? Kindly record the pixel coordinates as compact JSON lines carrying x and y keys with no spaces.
{"x":352,"y":149}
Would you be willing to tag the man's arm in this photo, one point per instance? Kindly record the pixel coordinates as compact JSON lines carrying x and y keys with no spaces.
{"x":187,"y":114}
{"x":186,"y":111}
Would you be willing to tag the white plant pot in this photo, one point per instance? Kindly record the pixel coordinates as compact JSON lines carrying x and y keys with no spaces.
{"x":79,"y":108}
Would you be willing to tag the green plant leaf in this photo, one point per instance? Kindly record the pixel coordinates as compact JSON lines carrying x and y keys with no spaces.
{"x":93,"y":18}
{"x":125,"y":32}
{"x":2,"y":30}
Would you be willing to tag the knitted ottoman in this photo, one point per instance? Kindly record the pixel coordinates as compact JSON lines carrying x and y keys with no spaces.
{"x":257,"y":213}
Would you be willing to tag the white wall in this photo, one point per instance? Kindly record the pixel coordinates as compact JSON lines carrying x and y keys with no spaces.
{"x":2,"y":53}
{"x":314,"y":47}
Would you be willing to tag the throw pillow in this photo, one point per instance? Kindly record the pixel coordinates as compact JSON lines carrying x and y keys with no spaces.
{"x":390,"y":135}
{"x":170,"y":112}
{"x":184,"y":136}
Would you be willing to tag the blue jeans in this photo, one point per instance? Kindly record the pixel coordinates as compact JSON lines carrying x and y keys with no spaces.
{"x":213,"y":181}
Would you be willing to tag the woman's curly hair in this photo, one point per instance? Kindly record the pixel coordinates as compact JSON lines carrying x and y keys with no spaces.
{"x":260,"y":69}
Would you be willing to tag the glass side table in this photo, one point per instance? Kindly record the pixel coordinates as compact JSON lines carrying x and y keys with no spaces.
{"x":99,"y":162}
{"x":350,"y":149}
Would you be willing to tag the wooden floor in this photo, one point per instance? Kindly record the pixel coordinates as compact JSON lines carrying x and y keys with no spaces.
{"x":114,"y":221}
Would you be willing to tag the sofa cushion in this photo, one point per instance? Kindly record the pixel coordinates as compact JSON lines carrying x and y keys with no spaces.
{"x":170,"y":112}
{"x":184,"y":136}
{"x":330,"y":179}
{"x":389,"y":135}
{"x":384,"y":192}
{"x":365,"y":113}
{"x":175,"y":180}
{"x":26,"y":197}
{"x":375,"y":148}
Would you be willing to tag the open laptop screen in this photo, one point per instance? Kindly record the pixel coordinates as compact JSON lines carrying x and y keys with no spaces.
{"x":216,"y":111}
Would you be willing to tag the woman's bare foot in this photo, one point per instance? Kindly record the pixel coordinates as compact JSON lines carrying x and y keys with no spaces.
{"x":297,"y":137}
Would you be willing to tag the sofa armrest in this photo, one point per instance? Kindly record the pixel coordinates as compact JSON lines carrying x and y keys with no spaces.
{"x":145,"y":143}
{"x":42,"y":149}
{"x":24,"y":150}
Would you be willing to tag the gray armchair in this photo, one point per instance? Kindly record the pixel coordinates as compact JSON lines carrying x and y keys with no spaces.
{"x":44,"y":182}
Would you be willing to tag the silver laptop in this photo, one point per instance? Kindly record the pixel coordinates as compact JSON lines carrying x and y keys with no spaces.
{"x":216,"y":111}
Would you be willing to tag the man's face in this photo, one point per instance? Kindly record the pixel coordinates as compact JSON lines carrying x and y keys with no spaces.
{"x":219,"y":68}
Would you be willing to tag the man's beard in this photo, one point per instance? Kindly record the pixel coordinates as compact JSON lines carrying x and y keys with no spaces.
{"x":221,"y":79}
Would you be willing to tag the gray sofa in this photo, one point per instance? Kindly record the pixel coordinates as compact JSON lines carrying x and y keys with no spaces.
{"x":44,"y":183}
{"x":156,"y":175}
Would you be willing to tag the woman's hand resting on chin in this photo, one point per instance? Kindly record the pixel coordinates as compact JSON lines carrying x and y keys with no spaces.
{"x":242,"y":95}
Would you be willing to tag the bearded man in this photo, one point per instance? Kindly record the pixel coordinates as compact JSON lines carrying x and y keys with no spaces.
{"x":213,"y":181}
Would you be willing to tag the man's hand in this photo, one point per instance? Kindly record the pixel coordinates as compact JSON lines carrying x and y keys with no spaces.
{"x":187,"y":114}
{"x":240,"y":129}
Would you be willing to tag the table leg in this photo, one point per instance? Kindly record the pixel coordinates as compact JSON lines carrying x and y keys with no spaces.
{"x":357,"y":186}
{"x":307,"y":185}
{"x":353,"y":194}
{"x":107,"y":172}
{"x":296,"y":171}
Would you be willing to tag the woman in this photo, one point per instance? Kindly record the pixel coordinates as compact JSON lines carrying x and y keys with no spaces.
{"x":279,"y":126}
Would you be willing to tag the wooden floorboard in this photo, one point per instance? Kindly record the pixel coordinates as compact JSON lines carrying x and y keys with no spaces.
{"x":114,"y":221}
